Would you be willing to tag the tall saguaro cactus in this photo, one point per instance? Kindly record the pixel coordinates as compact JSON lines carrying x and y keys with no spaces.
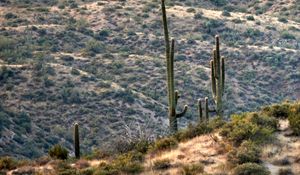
{"x":173,"y":95}
{"x":218,"y":78}
{"x":206,"y":110}
{"x":76,"y":141}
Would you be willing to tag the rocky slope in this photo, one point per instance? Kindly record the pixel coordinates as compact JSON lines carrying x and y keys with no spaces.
{"x":100,"y":63}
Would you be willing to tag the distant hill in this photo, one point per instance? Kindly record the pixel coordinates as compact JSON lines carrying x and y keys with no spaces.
{"x":101,"y":63}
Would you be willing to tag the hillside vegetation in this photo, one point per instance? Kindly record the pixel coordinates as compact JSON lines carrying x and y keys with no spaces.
{"x":101,"y":64}
{"x":263,"y":142}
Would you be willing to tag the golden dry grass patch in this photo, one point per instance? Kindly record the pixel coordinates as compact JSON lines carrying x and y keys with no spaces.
{"x":203,"y":149}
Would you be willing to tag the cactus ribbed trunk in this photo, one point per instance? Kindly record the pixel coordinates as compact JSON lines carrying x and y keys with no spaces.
{"x":173,"y":95}
{"x":76,"y":141}
{"x":218,"y":78}
{"x":206,"y":109}
{"x":200,"y":111}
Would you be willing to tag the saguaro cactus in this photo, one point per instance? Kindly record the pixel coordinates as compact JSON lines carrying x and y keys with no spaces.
{"x":76,"y":141}
{"x":200,"y":111}
{"x":218,"y":78}
{"x":206,"y":110}
{"x":173,"y":95}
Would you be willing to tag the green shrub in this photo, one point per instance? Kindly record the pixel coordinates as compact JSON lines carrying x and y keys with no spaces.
{"x":226,"y":13}
{"x":250,"y":169}
{"x":294,"y":118}
{"x":198,"y":15}
{"x":192,"y":169}
{"x":191,"y":10}
{"x":252,"y":33}
{"x":240,"y":128}
{"x":277,"y":111}
{"x":250,"y":18}
{"x":216,"y":123}
{"x":282,"y":19}
{"x":58,"y":152}
{"x":93,"y":47}
{"x":162,"y":164}
{"x":247,"y":152}
{"x":129,"y":163}
{"x":106,"y":169}
{"x":219,"y":2}
{"x":64,"y":168}
{"x":10,"y":15}
{"x":192,"y":131}
{"x":285,"y":171}
{"x":164,"y":144}
{"x":8,"y":163}
{"x":4,"y":120}
{"x":287,"y":35}
{"x":263,"y":121}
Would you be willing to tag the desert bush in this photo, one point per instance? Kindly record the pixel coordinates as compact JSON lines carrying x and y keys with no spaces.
{"x":161,"y":164}
{"x":198,"y":15}
{"x":58,"y":152}
{"x":247,"y":152}
{"x":287,"y":35}
{"x":63,"y":168}
{"x":226,"y":13}
{"x":10,"y":15}
{"x":129,"y":163}
{"x":263,"y":121}
{"x":192,"y":169}
{"x":75,"y":71}
{"x":285,"y":171}
{"x":70,"y":95}
{"x":278,"y":111}
{"x":282,"y":19}
{"x":8,"y":163}
{"x":216,"y":123}
{"x":219,"y":2}
{"x":93,"y":47}
{"x":87,"y":171}
{"x":294,"y":118}
{"x":6,"y":43}
{"x":4,"y":120}
{"x":250,"y":169}
{"x":240,"y":128}
{"x":102,"y":35}
{"x":250,"y":18}
{"x":6,"y":73}
{"x":191,"y":10}
{"x":192,"y":131}
{"x":164,"y":144}
{"x":251,"y":33}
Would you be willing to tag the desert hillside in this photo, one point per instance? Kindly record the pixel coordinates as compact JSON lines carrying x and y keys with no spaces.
{"x":102,"y":64}
{"x":257,"y":143}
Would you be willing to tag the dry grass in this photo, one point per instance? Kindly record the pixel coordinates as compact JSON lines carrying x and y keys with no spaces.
{"x":204,"y":149}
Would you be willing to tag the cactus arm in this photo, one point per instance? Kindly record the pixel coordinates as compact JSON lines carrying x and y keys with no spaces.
{"x":179,"y":115}
{"x":223,"y":75}
{"x":215,"y":63}
{"x":213,"y":79}
{"x":177,"y":96}
{"x":206,"y":109}
{"x":76,"y":141}
{"x":200,"y":111}
{"x":218,"y":67}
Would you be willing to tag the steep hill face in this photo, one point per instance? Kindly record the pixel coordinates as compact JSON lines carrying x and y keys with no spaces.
{"x":101,"y":63}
